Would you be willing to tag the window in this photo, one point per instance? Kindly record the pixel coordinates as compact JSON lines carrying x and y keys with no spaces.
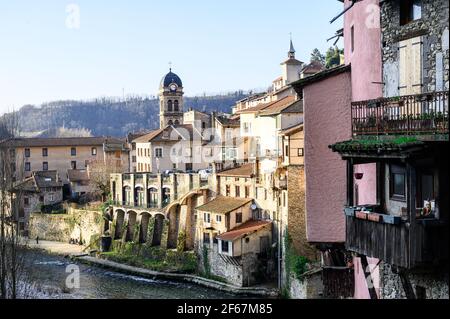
{"x":227,"y":190}
{"x":225,"y":246}
{"x":45,"y":166}
{"x":265,"y":194}
{"x":44,"y":152}
{"x":133,"y":159}
{"x":26,"y":201}
{"x":286,"y":150}
{"x":27,"y":152}
{"x":27,"y":167}
{"x":238,"y":218}
{"x":94,"y":151}
{"x":207,"y":217}
{"x":352,"y":37}
{"x":410,"y":10}
{"x":397,"y":182}
{"x":176,"y":106}
{"x":73,"y":164}
{"x":73,"y":151}
{"x":169,"y":106}
{"x":219,"y":218}
{"x":41,"y":199}
{"x":425,"y":188}
{"x":50,"y":197}
{"x":247,"y":191}
{"x":300,"y":152}
{"x":237,"y":191}
{"x":206,"y":239}
{"x":158,"y":152}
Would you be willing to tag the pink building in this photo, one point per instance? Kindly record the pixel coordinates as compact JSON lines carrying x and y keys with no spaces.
{"x":327,"y":111}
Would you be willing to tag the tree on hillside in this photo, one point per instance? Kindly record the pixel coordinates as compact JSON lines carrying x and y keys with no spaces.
{"x":333,"y":57}
{"x":317,"y":56}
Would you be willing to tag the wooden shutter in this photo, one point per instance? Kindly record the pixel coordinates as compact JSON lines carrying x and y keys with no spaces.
{"x":410,"y":66}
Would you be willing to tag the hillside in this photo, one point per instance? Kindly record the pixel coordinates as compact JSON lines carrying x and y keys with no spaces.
{"x":109,"y":116}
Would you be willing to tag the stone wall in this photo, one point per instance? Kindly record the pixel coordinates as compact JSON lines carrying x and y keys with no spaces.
{"x":433,"y":26}
{"x":435,"y":283}
{"x":297,"y":213}
{"x":310,"y":286}
{"x":76,"y":224}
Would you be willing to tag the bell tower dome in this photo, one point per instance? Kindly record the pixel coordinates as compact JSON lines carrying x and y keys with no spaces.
{"x":170,"y":100}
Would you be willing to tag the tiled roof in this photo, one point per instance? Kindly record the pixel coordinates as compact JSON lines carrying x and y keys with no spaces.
{"x":39,"y":179}
{"x":274,"y":105}
{"x":77,"y":175}
{"x":147,"y":137}
{"x":320,"y":76}
{"x":228,"y":121}
{"x":313,"y":67}
{"x":223,"y":204}
{"x":245,"y":170}
{"x":61,"y":141}
{"x":246,"y":228}
{"x":285,"y":105}
{"x":293,"y":129}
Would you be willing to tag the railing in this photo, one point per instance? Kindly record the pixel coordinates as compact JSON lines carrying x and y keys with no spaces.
{"x":412,"y":114}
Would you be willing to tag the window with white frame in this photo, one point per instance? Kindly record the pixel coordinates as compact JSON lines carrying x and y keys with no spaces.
{"x":158,"y":152}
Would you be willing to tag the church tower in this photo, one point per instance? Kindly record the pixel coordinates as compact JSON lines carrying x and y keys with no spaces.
{"x":291,"y":67}
{"x":170,"y":100}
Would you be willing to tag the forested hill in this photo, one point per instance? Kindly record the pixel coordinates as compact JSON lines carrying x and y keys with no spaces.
{"x":110,"y":116}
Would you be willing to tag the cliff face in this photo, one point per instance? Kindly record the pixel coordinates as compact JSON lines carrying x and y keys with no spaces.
{"x":112,"y":117}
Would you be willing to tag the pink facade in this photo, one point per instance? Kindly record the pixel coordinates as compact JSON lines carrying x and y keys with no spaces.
{"x":362,"y":41}
{"x":361,"y":283}
{"x":327,"y":121}
{"x":365,"y":53}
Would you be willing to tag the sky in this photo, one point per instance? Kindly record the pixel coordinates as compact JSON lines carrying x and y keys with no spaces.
{"x":53,"y":49}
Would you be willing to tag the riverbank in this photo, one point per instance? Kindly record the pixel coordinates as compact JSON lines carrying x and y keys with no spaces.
{"x":77,"y":253}
{"x":156,"y":275}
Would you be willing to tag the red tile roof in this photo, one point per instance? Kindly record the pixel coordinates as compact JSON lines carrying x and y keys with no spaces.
{"x":245,"y":170}
{"x":246,"y":228}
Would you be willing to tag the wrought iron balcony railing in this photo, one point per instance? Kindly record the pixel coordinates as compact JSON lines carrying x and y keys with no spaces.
{"x":407,"y":115}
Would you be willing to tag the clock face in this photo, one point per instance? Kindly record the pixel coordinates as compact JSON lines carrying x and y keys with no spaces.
{"x":173,"y":87}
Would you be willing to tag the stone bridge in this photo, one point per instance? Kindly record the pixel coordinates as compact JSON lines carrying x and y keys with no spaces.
{"x":157,"y":222}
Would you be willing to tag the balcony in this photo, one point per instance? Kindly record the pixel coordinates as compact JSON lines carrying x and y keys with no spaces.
{"x":421,"y":114}
{"x":404,"y":243}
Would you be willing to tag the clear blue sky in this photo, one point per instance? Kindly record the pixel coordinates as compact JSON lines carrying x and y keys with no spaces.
{"x":215,"y":46}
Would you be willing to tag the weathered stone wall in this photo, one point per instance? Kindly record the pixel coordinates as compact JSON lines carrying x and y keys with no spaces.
{"x":309,"y":287}
{"x":435,"y":283}
{"x":433,"y":26}
{"x":76,"y":224}
{"x":297,"y":213}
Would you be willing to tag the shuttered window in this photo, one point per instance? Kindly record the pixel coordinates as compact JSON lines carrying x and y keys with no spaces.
{"x":410,"y":66}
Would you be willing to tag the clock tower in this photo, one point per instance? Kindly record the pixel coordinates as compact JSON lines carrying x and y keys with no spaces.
{"x":170,"y":100}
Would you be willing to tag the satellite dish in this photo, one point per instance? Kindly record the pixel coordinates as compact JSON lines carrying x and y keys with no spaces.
{"x":253,"y":207}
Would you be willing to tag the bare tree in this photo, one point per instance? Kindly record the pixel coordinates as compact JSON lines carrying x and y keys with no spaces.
{"x":11,"y":257}
{"x":99,"y":176}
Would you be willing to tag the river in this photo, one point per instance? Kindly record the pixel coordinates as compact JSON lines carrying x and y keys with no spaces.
{"x":48,"y":275}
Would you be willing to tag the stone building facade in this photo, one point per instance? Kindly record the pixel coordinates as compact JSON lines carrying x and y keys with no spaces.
{"x":428,"y":27}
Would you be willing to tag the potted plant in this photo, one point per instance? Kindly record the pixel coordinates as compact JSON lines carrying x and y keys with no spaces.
{"x":361,"y":215}
{"x":374,"y":217}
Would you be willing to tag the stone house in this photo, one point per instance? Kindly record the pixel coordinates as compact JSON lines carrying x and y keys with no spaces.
{"x":63,"y":154}
{"x":42,"y":189}
{"x":79,"y":183}
{"x":235,"y":244}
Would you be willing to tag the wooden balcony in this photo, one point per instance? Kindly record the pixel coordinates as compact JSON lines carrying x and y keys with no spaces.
{"x":397,"y":242}
{"x":421,"y":114}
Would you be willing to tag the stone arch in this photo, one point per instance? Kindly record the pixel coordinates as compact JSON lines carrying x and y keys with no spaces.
{"x":158,"y":230}
{"x":143,"y":227}
{"x":169,"y":106}
{"x":170,"y":122}
{"x":132,"y":216}
{"x":120,"y":218}
{"x":177,"y":122}
{"x":152,"y":197}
